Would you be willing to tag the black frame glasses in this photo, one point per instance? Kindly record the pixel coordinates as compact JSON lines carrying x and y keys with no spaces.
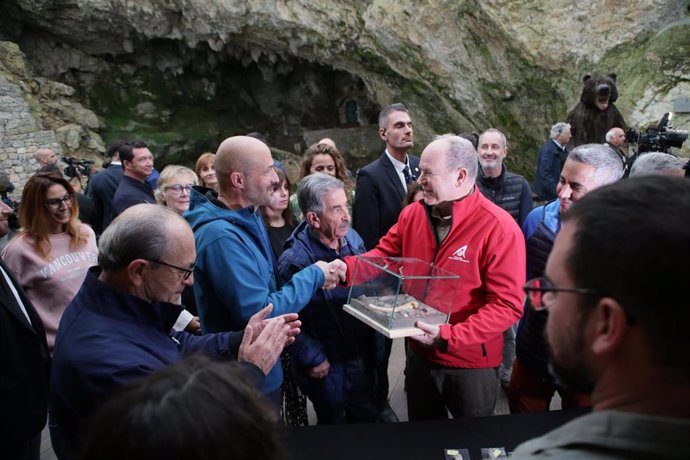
{"x":55,"y":203}
{"x":540,"y":292}
{"x":186,"y":272}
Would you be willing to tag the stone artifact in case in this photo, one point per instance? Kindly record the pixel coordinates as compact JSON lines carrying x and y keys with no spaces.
{"x":391,"y":294}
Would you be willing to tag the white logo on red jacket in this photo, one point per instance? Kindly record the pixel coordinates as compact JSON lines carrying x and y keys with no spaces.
{"x":459,"y":255}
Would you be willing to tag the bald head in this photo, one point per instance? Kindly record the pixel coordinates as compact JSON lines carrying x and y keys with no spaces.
{"x":45,"y":157}
{"x":615,"y":137}
{"x":328,"y":141}
{"x":244,"y":167}
{"x":238,"y":154}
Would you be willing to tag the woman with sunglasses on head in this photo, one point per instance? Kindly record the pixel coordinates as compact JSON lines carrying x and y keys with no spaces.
{"x":174,"y":186}
{"x":53,"y":250}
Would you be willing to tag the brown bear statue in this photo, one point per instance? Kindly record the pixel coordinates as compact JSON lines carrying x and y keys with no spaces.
{"x":595,"y":114}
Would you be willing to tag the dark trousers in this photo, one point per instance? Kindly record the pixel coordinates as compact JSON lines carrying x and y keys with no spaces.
{"x":432,"y":389}
{"x":21,"y":449}
{"x":349,"y":397}
{"x":384,"y":354}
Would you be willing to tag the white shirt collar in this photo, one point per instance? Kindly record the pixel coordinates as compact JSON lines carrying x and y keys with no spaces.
{"x":399,"y":165}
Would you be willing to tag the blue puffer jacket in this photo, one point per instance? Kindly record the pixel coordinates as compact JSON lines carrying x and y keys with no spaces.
{"x":235,"y":272}
{"x":327,"y":330}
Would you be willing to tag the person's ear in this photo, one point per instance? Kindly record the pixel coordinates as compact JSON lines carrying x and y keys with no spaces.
{"x":237,"y":179}
{"x":382,"y":133}
{"x":136,"y":270}
{"x":461,"y":177}
{"x":313,"y":219}
{"x":609,"y":326}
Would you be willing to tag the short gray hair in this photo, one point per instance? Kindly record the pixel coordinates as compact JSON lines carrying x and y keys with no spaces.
{"x":461,"y":154}
{"x":386,"y":112}
{"x":492,"y":130}
{"x":313,"y":188}
{"x":608,"y":165}
{"x":140,"y":232}
{"x":609,"y":133}
{"x":558,"y":128}
{"x":655,"y":164}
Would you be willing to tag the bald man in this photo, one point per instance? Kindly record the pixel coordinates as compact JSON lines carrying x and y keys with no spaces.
{"x":235,"y":274}
{"x":615,"y":138}
{"x":47,"y":161}
{"x":328,"y":141}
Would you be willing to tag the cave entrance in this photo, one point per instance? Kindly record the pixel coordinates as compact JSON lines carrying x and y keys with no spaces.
{"x":184,"y":112}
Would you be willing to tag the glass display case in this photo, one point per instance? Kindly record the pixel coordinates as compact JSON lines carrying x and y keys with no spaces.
{"x":391,"y":294}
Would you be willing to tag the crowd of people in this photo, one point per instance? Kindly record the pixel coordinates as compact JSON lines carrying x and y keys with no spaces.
{"x":202,"y":306}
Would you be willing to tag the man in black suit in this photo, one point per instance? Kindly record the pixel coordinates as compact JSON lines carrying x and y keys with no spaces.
{"x":24,"y":362}
{"x":382,"y":184}
{"x":381,"y":187}
{"x":103,"y":185}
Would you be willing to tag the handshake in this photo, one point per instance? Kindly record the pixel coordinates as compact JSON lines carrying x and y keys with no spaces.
{"x":334,"y":272}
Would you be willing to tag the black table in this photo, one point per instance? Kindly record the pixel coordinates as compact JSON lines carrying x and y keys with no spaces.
{"x":421,"y":440}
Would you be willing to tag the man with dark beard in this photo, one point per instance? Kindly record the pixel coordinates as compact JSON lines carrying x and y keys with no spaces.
{"x":615,"y":291}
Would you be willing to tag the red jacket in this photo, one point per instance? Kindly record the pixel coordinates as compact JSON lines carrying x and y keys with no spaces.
{"x":486,"y":248}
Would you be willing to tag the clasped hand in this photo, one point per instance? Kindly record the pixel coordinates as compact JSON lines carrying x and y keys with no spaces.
{"x":264,"y":339}
{"x":334,"y":272}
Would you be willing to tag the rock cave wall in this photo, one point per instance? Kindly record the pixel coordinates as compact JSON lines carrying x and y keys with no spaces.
{"x":183,"y":74}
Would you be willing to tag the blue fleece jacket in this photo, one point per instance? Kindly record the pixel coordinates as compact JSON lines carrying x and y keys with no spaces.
{"x":235,"y":274}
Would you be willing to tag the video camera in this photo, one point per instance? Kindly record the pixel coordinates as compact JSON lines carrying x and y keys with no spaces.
{"x":77,"y":168}
{"x":657,"y":139}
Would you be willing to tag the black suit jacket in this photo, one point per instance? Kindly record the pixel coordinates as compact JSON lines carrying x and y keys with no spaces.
{"x":24,"y":367}
{"x":378,"y":198}
{"x":102,"y":187}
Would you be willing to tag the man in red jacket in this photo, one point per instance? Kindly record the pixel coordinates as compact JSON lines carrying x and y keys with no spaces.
{"x":454,"y":366}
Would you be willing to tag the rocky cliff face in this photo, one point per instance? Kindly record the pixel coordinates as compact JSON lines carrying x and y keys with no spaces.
{"x":184,"y":74}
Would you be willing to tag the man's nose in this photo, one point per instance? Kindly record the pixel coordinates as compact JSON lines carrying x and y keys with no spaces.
{"x":189,"y":281}
{"x":565,"y":191}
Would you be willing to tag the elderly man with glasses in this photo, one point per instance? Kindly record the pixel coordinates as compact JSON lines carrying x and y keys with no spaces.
{"x":118,"y":329}
{"x":531,"y":384}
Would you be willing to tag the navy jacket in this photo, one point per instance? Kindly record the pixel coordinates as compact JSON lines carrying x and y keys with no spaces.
{"x":101,"y":190}
{"x":131,"y":192}
{"x":108,"y":339}
{"x":327,"y":330}
{"x":550,"y":161}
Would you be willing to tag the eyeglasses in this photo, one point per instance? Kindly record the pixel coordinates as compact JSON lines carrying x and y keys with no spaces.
{"x":186,"y":272}
{"x":54,"y":203}
{"x":177,"y":188}
{"x":540,"y":293}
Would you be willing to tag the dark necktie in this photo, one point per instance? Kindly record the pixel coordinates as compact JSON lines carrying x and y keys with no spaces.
{"x":409,"y":178}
